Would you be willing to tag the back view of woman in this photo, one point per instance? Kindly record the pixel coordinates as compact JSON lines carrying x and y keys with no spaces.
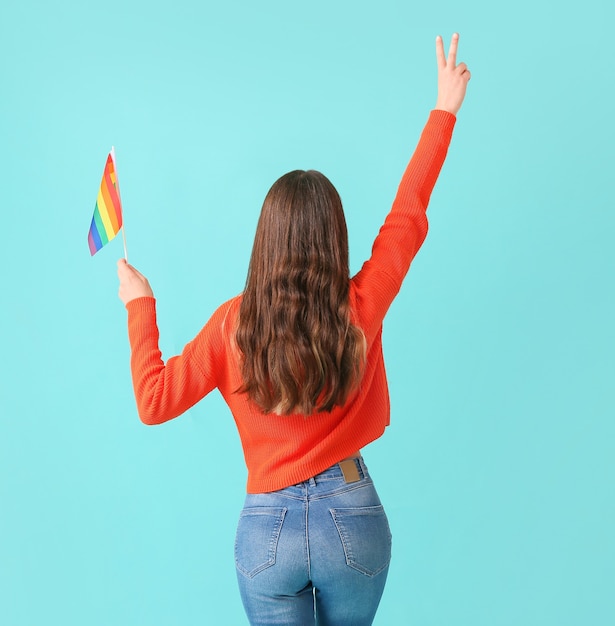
{"x":298,"y":359}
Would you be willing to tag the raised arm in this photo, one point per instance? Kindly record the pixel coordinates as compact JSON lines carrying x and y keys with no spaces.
{"x":405,"y":227}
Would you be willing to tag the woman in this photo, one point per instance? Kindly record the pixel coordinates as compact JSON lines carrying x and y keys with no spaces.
{"x":298,"y":359}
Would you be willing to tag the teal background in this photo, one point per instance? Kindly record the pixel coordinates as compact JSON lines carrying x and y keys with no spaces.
{"x":497,"y":471}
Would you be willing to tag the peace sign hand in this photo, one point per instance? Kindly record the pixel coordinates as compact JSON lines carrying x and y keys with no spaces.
{"x":452,"y":78}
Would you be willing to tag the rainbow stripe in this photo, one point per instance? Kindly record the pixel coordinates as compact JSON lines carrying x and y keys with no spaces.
{"x":107,"y":219}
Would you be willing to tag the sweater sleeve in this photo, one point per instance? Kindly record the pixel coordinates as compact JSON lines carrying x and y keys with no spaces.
{"x":164,"y":391}
{"x":405,"y":227}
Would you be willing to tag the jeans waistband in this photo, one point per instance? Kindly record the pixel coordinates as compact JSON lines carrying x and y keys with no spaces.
{"x":350,"y":470}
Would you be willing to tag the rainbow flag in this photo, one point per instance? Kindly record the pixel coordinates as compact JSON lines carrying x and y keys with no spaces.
{"x":107,"y":219}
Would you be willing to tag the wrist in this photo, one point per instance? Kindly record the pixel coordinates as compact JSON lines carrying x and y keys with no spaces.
{"x":449,"y":109}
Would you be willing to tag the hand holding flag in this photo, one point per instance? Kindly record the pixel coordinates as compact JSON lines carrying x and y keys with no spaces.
{"x":132,"y":283}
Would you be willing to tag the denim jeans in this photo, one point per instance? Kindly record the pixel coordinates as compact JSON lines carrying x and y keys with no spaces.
{"x":314,"y":553}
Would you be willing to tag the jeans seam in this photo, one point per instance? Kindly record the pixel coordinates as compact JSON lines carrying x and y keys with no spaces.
{"x":307,"y":538}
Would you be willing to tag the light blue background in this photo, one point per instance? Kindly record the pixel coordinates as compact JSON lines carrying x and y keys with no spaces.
{"x":497,"y":471}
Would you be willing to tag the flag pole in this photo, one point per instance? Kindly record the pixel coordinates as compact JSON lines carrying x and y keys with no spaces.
{"x":117,"y":182}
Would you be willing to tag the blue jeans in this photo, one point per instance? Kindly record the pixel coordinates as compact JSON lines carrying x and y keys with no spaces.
{"x":314,"y":553}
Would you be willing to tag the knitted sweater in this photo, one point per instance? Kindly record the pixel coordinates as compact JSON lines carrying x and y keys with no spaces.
{"x":282,"y":450}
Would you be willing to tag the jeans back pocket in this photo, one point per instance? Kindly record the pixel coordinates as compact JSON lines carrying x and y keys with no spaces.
{"x":366,"y":537}
{"x":256,"y":541}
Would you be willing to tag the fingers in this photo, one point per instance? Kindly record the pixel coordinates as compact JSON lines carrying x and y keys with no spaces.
{"x":452,"y":51}
{"x":440,"y":52}
{"x":123,"y":265}
{"x":462,"y":70}
{"x":124,"y":270}
{"x":443,"y":61}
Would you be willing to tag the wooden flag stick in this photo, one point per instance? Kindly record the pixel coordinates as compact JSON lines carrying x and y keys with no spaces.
{"x":117,"y":184}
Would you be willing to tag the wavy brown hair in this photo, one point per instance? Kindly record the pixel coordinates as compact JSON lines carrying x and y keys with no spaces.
{"x":300,"y":352}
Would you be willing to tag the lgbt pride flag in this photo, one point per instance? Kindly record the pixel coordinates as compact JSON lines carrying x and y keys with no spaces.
{"x":107,"y":219}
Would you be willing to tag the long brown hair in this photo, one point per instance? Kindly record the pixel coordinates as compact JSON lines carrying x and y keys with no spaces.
{"x":301,"y":354}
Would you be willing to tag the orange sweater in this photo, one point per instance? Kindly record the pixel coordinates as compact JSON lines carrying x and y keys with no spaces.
{"x":284,"y":450}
